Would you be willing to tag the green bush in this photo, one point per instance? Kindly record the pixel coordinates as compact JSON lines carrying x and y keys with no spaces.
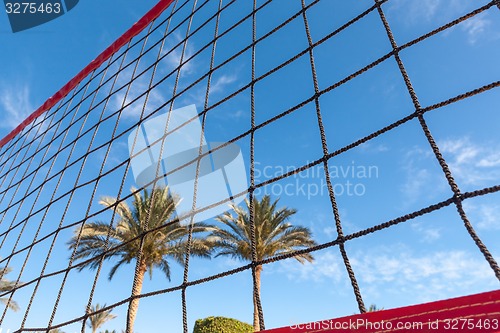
{"x":221,"y":325}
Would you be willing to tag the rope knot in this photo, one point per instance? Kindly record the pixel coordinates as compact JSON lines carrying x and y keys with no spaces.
{"x":340,"y":240}
{"x":419,"y":112}
{"x":458,"y":197}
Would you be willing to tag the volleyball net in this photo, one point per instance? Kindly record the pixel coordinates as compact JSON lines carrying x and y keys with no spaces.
{"x":254,"y":76}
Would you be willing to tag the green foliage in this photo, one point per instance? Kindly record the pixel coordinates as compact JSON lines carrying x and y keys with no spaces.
{"x":221,"y":325}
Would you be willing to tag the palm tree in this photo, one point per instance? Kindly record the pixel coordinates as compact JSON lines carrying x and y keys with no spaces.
{"x":99,"y":319}
{"x":273,"y":236}
{"x":6,"y":286}
{"x":153,"y":210}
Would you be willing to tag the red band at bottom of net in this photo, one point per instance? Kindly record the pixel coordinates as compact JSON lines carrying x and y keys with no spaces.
{"x":478,"y":313}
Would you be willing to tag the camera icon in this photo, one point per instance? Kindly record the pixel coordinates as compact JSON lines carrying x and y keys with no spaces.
{"x":221,"y":173}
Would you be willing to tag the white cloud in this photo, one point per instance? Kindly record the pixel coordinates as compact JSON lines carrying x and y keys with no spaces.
{"x":423,"y":178}
{"x":373,"y":148}
{"x":484,"y":216}
{"x":331,"y":231}
{"x":326,"y":266}
{"x":492,"y":160}
{"x":161,"y":93}
{"x":415,"y":184}
{"x":228,"y":263}
{"x":470,"y":162}
{"x":476,"y":27}
{"x":221,"y":83}
{"x":15,"y":105}
{"x":218,"y":86}
{"x":411,"y":13}
{"x":425,"y":8}
{"x":173,"y":59}
{"x":396,"y":270}
{"x":118,"y":153}
{"x":415,"y":12}
{"x":139,"y":86}
{"x":426,"y":276}
{"x":489,"y":217}
{"x":428,"y":234}
{"x":238,"y":114}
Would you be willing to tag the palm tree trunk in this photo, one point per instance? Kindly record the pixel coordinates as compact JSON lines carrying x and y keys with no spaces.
{"x":136,"y":291}
{"x":256,"y":321}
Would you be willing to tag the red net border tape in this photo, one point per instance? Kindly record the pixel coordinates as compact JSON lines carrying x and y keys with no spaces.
{"x":445,"y":316}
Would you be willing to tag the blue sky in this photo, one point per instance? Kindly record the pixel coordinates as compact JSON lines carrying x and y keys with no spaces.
{"x":429,"y":258}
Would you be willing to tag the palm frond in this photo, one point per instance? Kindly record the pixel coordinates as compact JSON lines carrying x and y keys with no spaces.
{"x":98,"y":319}
{"x":150,"y":209}
{"x":112,"y":272}
{"x":6,"y":286}
{"x":12,"y":304}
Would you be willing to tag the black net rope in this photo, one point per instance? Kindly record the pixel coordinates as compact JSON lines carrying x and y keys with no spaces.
{"x":47,"y":167}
